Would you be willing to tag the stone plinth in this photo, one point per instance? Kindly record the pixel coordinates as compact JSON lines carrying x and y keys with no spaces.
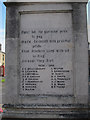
{"x":46,"y":60}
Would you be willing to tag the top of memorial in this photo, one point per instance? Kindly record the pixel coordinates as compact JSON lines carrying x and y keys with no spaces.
{"x":47,"y":0}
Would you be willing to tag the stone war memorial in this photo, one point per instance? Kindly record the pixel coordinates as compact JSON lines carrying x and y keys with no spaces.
{"x":46,"y":60}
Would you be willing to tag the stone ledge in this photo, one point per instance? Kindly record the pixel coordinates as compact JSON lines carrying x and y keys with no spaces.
{"x":44,"y":113}
{"x":47,"y":0}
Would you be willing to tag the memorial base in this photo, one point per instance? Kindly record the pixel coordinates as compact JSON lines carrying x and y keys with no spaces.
{"x":71,"y":112}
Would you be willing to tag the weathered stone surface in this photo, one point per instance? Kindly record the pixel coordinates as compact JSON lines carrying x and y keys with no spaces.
{"x":32,"y":28}
{"x":46,"y":51}
{"x":47,"y":1}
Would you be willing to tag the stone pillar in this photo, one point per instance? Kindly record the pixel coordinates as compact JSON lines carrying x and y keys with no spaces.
{"x":46,"y":60}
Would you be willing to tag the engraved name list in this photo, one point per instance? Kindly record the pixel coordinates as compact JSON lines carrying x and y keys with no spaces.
{"x":46,"y":51}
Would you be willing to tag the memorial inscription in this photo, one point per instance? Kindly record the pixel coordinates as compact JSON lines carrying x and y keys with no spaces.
{"x":46,"y":52}
{"x":46,"y":67}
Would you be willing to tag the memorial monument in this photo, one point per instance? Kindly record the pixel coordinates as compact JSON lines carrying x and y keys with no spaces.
{"x":46,"y":59}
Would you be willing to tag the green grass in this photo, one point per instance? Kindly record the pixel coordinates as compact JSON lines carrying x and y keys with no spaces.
{"x":3,"y":80}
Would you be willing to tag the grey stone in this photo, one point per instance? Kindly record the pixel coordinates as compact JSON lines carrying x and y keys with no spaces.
{"x":70,"y":101}
{"x":47,"y":1}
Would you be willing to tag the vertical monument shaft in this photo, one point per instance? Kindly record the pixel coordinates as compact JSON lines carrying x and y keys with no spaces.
{"x":46,"y":60}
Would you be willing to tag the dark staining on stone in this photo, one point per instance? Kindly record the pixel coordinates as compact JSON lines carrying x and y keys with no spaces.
{"x":77,"y":16}
{"x":12,"y":23}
